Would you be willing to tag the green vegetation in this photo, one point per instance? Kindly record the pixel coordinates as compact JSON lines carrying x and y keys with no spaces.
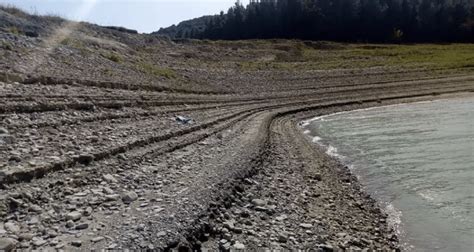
{"x":157,"y":71}
{"x":304,"y":56}
{"x":113,"y":57}
{"x":7,"y":46}
{"x":14,"y":30}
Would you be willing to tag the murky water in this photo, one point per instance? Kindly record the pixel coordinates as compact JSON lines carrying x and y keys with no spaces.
{"x":418,"y":159}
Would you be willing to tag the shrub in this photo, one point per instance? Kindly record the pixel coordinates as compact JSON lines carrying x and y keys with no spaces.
{"x":7,"y":46}
{"x":114,"y":57}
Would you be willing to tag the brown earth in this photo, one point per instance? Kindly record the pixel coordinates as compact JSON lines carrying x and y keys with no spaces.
{"x":92,"y":154}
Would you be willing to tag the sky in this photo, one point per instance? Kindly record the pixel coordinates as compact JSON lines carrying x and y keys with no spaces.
{"x":142,"y":15}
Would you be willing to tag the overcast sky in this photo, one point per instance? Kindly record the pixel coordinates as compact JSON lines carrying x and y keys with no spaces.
{"x":141,"y":15}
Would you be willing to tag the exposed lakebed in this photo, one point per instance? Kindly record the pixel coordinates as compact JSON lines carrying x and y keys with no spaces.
{"x":418,"y":160}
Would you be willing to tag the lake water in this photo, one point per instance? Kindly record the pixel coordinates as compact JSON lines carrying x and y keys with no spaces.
{"x":418,"y":160}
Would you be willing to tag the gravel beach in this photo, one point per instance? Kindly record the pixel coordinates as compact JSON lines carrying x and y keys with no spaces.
{"x":174,"y":146}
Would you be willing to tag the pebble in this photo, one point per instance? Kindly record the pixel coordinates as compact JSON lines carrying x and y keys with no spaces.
{"x":82,"y":226}
{"x":306,"y":225}
{"x":76,"y":243}
{"x":239,"y":246}
{"x":7,"y":244}
{"x":11,"y":227}
{"x":3,"y":130}
{"x":88,"y":211}
{"x":70,"y":224}
{"x":161,"y":234}
{"x":85,"y":159}
{"x":74,"y":216}
{"x":38,"y":242}
{"x":282,"y":238}
{"x":109,"y":178}
{"x":258,"y":202}
{"x":97,"y":239}
{"x":25,"y":237}
{"x":129,"y":197}
{"x":112,"y":197}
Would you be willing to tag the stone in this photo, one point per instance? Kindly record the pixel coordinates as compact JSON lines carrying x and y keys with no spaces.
{"x":109,"y":178}
{"x":129,"y":197}
{"x":36,"y":208}
{"x":70,"y":224}
{"x":229,"y":225}
{"x":3,"y":130}
{"x":82,"y":226}
{"x":38,"y":242}
{"x":239,"y":246}
{"x":7,"y":244}
{"x":112,"y":197}
{"x":25,"y":237}
{"x":76,"y":243}
{"x":88,"y":211}
{"x":161,"y":234}
{"x":306,"y":225}
{"x":282,"y":238}
{"x":258,"y":202}
{"x":281,"y":217}
{"x":11,"y":227}
{"x":74,"y":216}
{"x":85,"y":159}
{"x":97,"y":239}
{"x":326,"y":247}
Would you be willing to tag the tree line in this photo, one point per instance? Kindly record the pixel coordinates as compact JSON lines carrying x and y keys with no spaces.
{"x":344,"y":20}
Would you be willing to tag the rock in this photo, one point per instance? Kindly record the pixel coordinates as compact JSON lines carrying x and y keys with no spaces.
{"x":38,"y":242}
{"x":82,"y":226}
{"x":11,"y":227}
{"x":281,"y":217}
{"x":239,"y":246}
{"x":25,"y":237}
{"x":7,"y":244}
{"x":109,"y":178}
{"x":306,"y":225}
{"x":70,"y":224}
{"x":88,"y":211}
{"x":36,"y":208}
{"x":229,"y":225}
{"x":317,"y":177}
{"x":161,"y":234}
{"x":3,"y":131}
{"x":258,"y":202}
{"x":112,"y":197}
{"x":76,"y":243}
{"x":85,"y":159}
{"x":97,"y":239}
{"x":129,"y":197}
{"x":282,"y":238}
{"x":74,"y":216}
{"x":326,"y":247}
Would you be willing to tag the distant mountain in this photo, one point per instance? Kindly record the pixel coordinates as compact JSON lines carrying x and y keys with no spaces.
{"x":186,"y":28}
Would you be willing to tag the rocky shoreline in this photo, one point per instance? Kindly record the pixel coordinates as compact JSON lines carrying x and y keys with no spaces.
{"x":113,"y":140}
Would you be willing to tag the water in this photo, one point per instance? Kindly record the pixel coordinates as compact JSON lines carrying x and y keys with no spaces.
{"x":418,"y":160}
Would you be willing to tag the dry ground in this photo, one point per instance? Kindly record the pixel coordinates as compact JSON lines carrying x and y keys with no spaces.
{"x":92,"y":154}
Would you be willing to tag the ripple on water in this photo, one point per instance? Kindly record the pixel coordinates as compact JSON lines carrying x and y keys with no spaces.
{"x":419,"y":159}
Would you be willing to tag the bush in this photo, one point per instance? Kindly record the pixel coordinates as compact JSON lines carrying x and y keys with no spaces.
{"x":7,"y":46}
{"x":114,"y":57}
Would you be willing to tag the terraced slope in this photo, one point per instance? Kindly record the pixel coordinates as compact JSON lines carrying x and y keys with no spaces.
{"x":94,"y":159}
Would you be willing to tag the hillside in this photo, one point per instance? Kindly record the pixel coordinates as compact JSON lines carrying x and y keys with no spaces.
{"x":387,"y":21}
{"x":116,"y":140}
{"x":185,"y":29}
